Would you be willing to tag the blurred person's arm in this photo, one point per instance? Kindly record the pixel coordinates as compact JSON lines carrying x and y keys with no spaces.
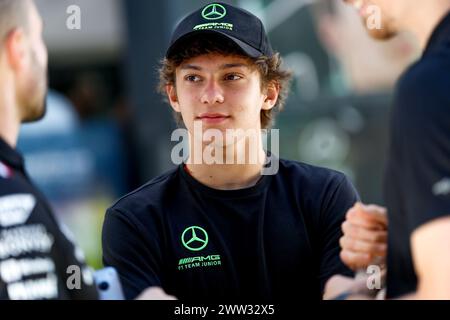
{"x":431,"y":257}
{"x":430,"y":246}
{"x":431,"y":262}
{"x":420,"y":161}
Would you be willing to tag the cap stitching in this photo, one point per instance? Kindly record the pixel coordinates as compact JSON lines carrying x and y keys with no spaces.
{"x":261,"y":37}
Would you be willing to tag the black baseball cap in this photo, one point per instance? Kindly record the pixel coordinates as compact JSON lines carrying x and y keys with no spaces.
{"x":236,"y":24}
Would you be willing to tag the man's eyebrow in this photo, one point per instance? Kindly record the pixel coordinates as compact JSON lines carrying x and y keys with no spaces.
{"x":233,"y":65}
{"x":190,"y":67}
{"x":222,"y":67}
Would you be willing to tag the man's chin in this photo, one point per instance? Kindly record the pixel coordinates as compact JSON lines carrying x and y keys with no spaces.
{"x":382,"y":34}
{"x":36,"y":114}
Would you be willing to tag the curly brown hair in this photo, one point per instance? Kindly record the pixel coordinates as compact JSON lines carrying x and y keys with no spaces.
{"x":270,"y":69}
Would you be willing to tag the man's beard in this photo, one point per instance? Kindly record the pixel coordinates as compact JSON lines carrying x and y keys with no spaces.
{"x":36,"y":111}
{"x":40,"y":110}
{"x":386,"y":32}
{"x":35,"y":105}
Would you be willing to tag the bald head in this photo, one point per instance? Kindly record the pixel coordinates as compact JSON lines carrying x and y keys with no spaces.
{"x":14,"y":14}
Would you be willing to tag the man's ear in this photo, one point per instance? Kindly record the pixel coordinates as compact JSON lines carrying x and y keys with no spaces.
{"x":271,"y":95}
{"x":171,"y":92}
{"x":16,"y":49}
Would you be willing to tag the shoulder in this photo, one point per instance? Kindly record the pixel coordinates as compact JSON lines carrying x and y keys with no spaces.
{"x":424,"y":87}
{"x":428,"y":73}
{"x":324,"y":194}
{"x":151,"y":194}
{"x":17,"y":200}
{"x":316,"y":184}
{"x":12,"y":183}
{"x":422,"y":99}
{"x":310,"y":174}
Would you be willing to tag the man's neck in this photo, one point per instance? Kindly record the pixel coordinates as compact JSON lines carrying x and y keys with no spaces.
{"x":9,"y":116}
{"x":9,"y":135}
{"x":422,"y":22}
{"x":229,"y":176}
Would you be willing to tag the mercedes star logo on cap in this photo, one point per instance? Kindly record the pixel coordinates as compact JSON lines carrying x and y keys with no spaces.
{"x":214,"y":12}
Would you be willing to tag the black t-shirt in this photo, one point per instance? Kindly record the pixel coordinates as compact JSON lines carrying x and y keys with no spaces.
{"x":276,"y":240}
{"x":37,"y":260}
{"x":418,"y":171}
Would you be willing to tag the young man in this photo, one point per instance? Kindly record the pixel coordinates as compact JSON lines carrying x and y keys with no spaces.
{"x":213,"y":231}
{"x":35,"y":254}
{"x":418,"y":171}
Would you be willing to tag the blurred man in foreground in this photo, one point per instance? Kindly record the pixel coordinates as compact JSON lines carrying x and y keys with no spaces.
{"x":38,"y":259}
{"x":35,"y":253}
{"x":417,"y":184}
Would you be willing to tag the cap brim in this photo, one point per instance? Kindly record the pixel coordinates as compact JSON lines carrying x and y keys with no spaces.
{"x":246,"y":48}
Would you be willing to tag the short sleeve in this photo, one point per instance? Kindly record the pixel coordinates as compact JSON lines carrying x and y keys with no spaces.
{"x":342,"y":196}
{"x":423,"y":141}
{"x":135,"y":254}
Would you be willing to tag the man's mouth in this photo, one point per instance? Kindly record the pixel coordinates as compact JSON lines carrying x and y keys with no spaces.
{"x":360,"y":6}
{"x":363,"y":9}
{"x":213,"y":118}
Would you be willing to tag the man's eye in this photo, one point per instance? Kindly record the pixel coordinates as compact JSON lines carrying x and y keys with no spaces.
{"x":232,"y":77}
{"x":192,"y":78}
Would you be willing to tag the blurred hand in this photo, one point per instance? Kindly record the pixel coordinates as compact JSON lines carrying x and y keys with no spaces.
{"x":365,"y":236}
{"x":338,"y":284}
{"x":155,"y":293}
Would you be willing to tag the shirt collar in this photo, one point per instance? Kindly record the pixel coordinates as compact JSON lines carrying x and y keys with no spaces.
{"x":10,"y":156}
{"x":440,"y":35}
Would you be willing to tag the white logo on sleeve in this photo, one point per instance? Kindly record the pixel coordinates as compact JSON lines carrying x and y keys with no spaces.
{"x":13,"y":270}
{"x":16,"y":209}
{"x":442,"y":188}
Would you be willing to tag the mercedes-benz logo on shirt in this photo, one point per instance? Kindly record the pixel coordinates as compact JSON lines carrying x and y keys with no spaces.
{"x":214,"y":12}
{"x":194,"y":238}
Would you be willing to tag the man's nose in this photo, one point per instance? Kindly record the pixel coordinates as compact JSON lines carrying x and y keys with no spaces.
{"x":212,"y":93}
